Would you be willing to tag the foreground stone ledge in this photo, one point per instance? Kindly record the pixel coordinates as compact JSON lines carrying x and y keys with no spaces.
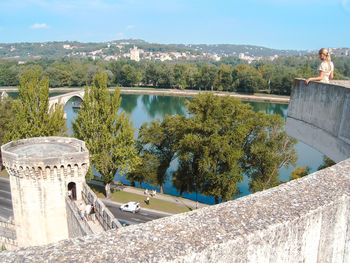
{"x":305,"y":220}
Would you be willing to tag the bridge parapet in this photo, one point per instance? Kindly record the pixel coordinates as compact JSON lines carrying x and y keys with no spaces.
{"x":319,"y":115}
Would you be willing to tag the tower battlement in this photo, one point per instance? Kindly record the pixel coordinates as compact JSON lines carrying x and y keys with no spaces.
{"x":42,"y":170}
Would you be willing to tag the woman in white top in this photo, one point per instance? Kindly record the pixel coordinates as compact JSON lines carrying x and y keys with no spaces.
{"x":326,"y":68}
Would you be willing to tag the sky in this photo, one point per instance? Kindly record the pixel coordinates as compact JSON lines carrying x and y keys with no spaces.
{"x":278,"y":24}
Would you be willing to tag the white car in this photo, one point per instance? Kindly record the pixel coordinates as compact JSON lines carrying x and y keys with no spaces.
{"x":130,"y":207}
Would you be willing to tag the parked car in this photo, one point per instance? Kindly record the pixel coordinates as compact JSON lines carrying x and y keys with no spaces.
{"x":130,"y":207}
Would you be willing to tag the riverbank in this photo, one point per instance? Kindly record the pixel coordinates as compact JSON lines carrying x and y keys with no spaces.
{"x":179,"y":201}
{"x":177,"y":92}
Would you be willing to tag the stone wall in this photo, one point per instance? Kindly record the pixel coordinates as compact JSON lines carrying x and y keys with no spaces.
{"x":8,"y":234}
{"x":103,"y":215}
{"x":76,"y":227}
{"x":319,"y":115}
{"x":344,"y":83}
{"x":305,"y":220}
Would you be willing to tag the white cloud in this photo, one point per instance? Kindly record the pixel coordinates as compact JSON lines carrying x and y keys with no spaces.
{"x":39,"y":26}
{"x":130,"y":27}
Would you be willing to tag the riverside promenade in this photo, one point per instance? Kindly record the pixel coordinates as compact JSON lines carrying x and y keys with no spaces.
{"x":169,"y":198}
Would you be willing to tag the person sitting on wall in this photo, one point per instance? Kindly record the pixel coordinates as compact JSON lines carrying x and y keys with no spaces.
{"x":326,"y":68}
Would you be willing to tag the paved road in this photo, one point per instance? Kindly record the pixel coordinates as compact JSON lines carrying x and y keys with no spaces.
{"x":129,"y":218}
{"x":5,"y":199}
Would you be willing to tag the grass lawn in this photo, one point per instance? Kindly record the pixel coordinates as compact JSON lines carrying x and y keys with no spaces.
{"x":156,"y":204}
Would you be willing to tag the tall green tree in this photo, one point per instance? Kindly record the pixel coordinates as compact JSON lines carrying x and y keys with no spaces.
{"x":207,"y":76}
{"x":32,"y":117}
{"x":159,"y":140}
{"x":146,"y":170}
{"x":108,"y":134}
{"x":267,"y":148}
{"x":6,"y":117}
{"x":152,"y":73}
{"x":129,"y":76}
{"x":8,"y":76}
{"x":179,"y":75}
{"x":224,"y":80}
{"x":211,"y":148}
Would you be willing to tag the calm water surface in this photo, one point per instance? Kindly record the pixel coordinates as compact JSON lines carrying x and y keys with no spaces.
{"x":145,"y":108}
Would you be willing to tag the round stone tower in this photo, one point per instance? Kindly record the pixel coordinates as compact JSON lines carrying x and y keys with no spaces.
{"x":42,"y":170}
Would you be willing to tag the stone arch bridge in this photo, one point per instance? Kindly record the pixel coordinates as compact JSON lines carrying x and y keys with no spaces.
{"x":64,"y":98}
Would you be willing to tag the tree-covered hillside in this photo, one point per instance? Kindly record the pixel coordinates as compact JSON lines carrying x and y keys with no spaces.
{"x":27,"y":51}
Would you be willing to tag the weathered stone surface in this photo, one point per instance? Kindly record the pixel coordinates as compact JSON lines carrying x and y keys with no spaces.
{"x":76,"y":227}
{"x":343,"y":83}
{"x":319,"y":115}
{"x":301,"y":221}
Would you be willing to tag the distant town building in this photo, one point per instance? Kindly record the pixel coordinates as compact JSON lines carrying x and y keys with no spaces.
{"x":134,"y":54}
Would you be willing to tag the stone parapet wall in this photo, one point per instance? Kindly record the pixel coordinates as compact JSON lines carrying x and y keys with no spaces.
{"x":8,"y":235}
{"x":103,"y":215}
{"x":305,"y":220}
{"x":344,"y":83}
{"x":76,"y":226}
{"x":319,"y":115}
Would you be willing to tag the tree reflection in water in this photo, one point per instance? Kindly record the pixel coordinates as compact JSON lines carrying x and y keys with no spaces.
{"x":129,"y":102}
{"x":162,"y":105}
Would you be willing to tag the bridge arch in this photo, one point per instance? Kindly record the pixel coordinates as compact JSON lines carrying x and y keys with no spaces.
{"x":64,"y":98}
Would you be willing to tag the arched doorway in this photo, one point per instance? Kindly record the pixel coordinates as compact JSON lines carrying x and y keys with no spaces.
{"x":73,"y":190}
